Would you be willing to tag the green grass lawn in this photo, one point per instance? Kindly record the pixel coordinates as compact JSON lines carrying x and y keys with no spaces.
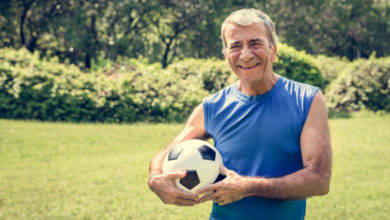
{"x":99,"y":171}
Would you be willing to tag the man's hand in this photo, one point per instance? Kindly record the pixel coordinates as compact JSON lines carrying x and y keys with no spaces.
{"x":230,"y":189}
{"x":165,"y":187}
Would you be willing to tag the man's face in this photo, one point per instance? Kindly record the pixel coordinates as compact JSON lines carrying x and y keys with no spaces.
{"x":248,"y":51}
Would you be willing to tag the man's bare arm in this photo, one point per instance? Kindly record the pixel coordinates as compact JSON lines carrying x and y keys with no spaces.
{"x":194,"y":129}
{"x":163,"y":184}
{"x":313,"y":179}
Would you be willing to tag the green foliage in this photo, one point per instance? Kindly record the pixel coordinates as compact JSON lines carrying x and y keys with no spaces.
{"x":363,"y":84}
{"x":127,"y":90}
{"x":130,"y":90}
{"x":298,"y":66}
{"x":216,"y":74}
{"x":352,"y":29}
{"x":330,"y":67}
{"x":80,"y":32}
{"x":35,"y":89}
{"x":211,"y":74}
{"x":160,"y":95}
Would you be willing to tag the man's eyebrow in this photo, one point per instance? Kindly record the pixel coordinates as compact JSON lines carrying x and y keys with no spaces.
{"x":235,"y":43}
{"x":257,"y":40}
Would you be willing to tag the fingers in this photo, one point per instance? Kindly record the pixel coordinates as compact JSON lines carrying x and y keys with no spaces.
{"x":165,"y":188}
{"x":222,"y":202}
{"x":175,"y":175}
{"x":177,"y":197}
{"x":208,"y":197}
{"x":187,"y":195}
{"x":180,"y":201}
{"x":185,"y":202}
{"x":207,"y":189}
{"x":223,"y":170}
{"x":210,"y":192}
{"x":217,"y":196}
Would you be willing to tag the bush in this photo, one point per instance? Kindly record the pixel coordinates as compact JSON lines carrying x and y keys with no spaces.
{"x":47,"y":90}
{"x":127,"y":90}
{"x":298,"y":66}
{"x":160,"y":95}
{"x":364,"y":84}
{"x":211,"y":74}
{"x":216,"y":74}
{"x":330,"y":67}
{"x":35,"y":89}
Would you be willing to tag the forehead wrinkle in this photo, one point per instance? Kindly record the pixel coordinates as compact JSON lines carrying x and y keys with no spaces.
{"x":254,"y":40}
{"x":233,"y":31}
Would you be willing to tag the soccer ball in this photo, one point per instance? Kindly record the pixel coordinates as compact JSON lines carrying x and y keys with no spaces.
{"x":201,"y":161}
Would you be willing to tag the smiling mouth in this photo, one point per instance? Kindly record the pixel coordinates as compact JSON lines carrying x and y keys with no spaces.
{"x":248,"y":68}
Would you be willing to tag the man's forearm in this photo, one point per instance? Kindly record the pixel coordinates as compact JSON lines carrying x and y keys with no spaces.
{"x":155,"y":164}
{"x":298,"y":185}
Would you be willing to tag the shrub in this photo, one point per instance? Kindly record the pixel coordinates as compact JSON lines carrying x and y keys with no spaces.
{"x":330,"y":67}
{"x":35,"y":89}
{"x":216,"y":74}
{"x":298,"y":66}
{"x":160,"y":95}
{"x":127,"y":90}
{"x":211,"y":74}
{"x":365,"y":83}
{"x":43,"y":90}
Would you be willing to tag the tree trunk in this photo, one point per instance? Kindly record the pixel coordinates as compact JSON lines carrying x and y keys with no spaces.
{"x":31,"y":44}
{"x":164,"y":61}
{"x":87,"y":60}
{"x":26,"y":7}
{"x":92,"y":44}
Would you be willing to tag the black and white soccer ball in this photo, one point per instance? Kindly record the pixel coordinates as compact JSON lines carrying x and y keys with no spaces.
{"x":201,"y":160}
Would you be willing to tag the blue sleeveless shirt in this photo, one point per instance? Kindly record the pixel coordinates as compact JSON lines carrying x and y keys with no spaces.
{"x":260,"y":136}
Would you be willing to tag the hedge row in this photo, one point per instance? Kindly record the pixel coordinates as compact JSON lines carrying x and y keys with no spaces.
{"x":133,"y":90}
{"x":364,"y":84}
{"x":298,"y":65}
{"x":47,"y":90}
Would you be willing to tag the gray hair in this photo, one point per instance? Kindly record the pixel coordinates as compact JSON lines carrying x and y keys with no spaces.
{"x":246,"y":17}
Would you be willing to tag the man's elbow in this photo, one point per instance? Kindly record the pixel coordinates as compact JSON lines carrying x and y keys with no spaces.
{"x":324,"y":185}
{"x":324,"y":189}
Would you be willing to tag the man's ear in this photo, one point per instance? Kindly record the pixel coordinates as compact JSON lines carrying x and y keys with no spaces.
{"x":225,"y":56}
{"x":274,"y":51}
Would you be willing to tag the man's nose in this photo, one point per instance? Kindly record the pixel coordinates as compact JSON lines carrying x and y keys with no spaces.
{"x":246,"y":53}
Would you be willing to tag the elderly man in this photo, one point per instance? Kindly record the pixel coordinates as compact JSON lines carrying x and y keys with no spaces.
{"x":272,"y":133}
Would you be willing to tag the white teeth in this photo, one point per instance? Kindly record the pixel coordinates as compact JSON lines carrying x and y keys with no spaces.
{"x":246,"y":68}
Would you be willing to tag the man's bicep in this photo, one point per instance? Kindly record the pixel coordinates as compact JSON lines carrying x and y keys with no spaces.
{"x":194,"y":127}
{"x":315,"y":138}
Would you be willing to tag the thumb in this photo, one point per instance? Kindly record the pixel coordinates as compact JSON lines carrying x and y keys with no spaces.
{"x":223,"y":170}
{"x":178,"y":174}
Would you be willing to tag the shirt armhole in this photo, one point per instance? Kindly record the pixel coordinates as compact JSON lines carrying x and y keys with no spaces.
{"x":307,"y":105}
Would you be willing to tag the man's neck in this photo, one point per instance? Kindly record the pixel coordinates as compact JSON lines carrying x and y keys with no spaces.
{"x":258,"y":87}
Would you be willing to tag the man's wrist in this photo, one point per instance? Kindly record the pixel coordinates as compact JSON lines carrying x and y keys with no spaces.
{"x":254,"y":186}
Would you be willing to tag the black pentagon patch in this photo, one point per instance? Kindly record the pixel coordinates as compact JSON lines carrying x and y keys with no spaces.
{"x":206,"y":152}
{"x":190,"y":180}
{"x":174,"y":153}
{"x":219,"y":178}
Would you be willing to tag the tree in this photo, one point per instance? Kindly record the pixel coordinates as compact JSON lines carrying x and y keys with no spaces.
{"x":103,"y":28}
{"x":175,"y":17}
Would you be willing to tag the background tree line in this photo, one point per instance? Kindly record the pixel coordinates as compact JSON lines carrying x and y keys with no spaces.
{"x":84,"y":32}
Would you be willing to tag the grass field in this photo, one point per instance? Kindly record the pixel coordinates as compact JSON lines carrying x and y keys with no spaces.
{"x":99,"y":171}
